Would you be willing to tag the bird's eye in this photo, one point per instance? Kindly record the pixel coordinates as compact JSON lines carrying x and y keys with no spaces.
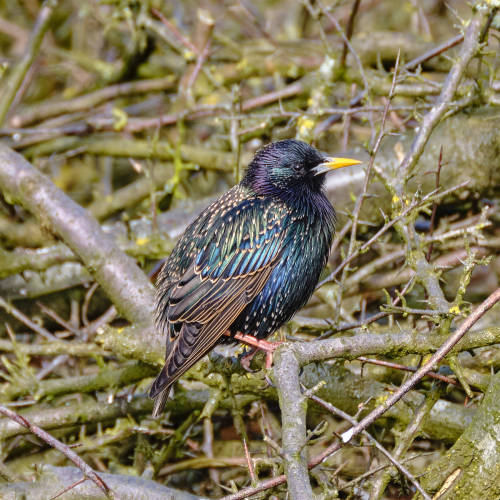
{"x":297,"y":167}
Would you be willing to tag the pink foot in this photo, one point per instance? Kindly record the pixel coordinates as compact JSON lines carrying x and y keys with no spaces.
{"x":247,"y":359}
{"x":263,"y":345}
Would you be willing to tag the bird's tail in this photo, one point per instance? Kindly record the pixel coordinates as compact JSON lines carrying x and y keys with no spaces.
{"x":160,"y":400}
{"x":160,"y":392}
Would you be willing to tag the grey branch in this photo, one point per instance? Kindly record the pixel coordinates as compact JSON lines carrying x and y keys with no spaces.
{"x":293,"y":417}
{"x":54,"y":480}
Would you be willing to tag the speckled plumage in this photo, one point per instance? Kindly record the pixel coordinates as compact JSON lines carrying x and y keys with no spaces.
{"x":248,"y":262}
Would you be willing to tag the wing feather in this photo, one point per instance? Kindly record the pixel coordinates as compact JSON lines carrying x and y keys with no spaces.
{"x":240,"y":249}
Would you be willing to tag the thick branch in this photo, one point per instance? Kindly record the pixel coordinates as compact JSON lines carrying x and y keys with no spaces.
{"x":470,"y":468}
{"x":389,"y":344}
{"x":293,"y":420}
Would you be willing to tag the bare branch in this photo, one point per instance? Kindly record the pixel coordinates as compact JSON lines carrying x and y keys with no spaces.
{"x":58,"y":445}
{"x":293,"y":416}
{"x":469,"y":49}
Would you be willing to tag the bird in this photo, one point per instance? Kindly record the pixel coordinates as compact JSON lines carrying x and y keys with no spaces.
{"x":248,"y":262}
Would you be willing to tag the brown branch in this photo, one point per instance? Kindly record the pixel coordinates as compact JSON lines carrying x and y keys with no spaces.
{"x":439,"y":49}
{"x":326,"y":11}
{"x":16,"y":313}
{"x":58,"y":445}
{"x":136,"y":124}
{"x":248,"y":458}
{"x":180,"y":37}
{"x":263,"y":486}
{"x":70,"y":487}
{"x":349,"y":30}
{"x":398,"y":366}
{"x":89,"y":101}
{"x":435,"y":205}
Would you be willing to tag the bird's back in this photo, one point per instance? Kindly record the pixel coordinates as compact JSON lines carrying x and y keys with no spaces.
{"x":249,"y":261}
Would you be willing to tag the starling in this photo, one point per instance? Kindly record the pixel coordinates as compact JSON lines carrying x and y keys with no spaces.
{"x":249,"y":261}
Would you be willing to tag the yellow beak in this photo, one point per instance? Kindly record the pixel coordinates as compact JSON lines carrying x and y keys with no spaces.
{"x":334,"y":163}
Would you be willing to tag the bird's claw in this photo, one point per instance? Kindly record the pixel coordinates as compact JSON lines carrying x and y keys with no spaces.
{"x":246,"y":359}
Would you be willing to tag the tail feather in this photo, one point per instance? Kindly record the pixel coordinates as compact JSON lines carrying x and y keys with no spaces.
{"x":160,"y":391}
{"x":160,"y":400}
{"x":160,"y":383}
{"x":178,"y":361}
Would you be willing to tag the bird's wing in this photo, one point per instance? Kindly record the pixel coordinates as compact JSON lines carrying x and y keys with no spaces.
{"x":241,"y":250}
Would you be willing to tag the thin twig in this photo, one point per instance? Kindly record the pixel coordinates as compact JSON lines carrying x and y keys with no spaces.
{"x":58,"y":445}
{"x":386,"y":227}
{"x":349,"y":30}
{"x":369,"y":473}
{"x":435,"y":51}
{"x":180,"y":37}
{"x":405,"y":438}
{"x":70,"y":487}
{"x":16,"y":79}
{"x":251,"y":469}
{"x":371,"y":319}
{"x":360,"y":199}
{"x":326,"y":11}
{"x":435,"y":205}
{"x":89,"y":101}
{"x":16,"y":313}
{"x":426,"y":368}
{"x":65,"y":324}
{"x":389,"y":456}
{"x":398,"y":366}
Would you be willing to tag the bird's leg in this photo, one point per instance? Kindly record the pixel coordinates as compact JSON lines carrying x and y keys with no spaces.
{"x":263,"y":345}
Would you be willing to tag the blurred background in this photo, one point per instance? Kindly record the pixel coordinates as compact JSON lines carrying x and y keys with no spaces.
{"x":145,"y":111}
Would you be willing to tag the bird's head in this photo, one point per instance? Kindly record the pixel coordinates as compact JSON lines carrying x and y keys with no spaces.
{"x":290,"y":166}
